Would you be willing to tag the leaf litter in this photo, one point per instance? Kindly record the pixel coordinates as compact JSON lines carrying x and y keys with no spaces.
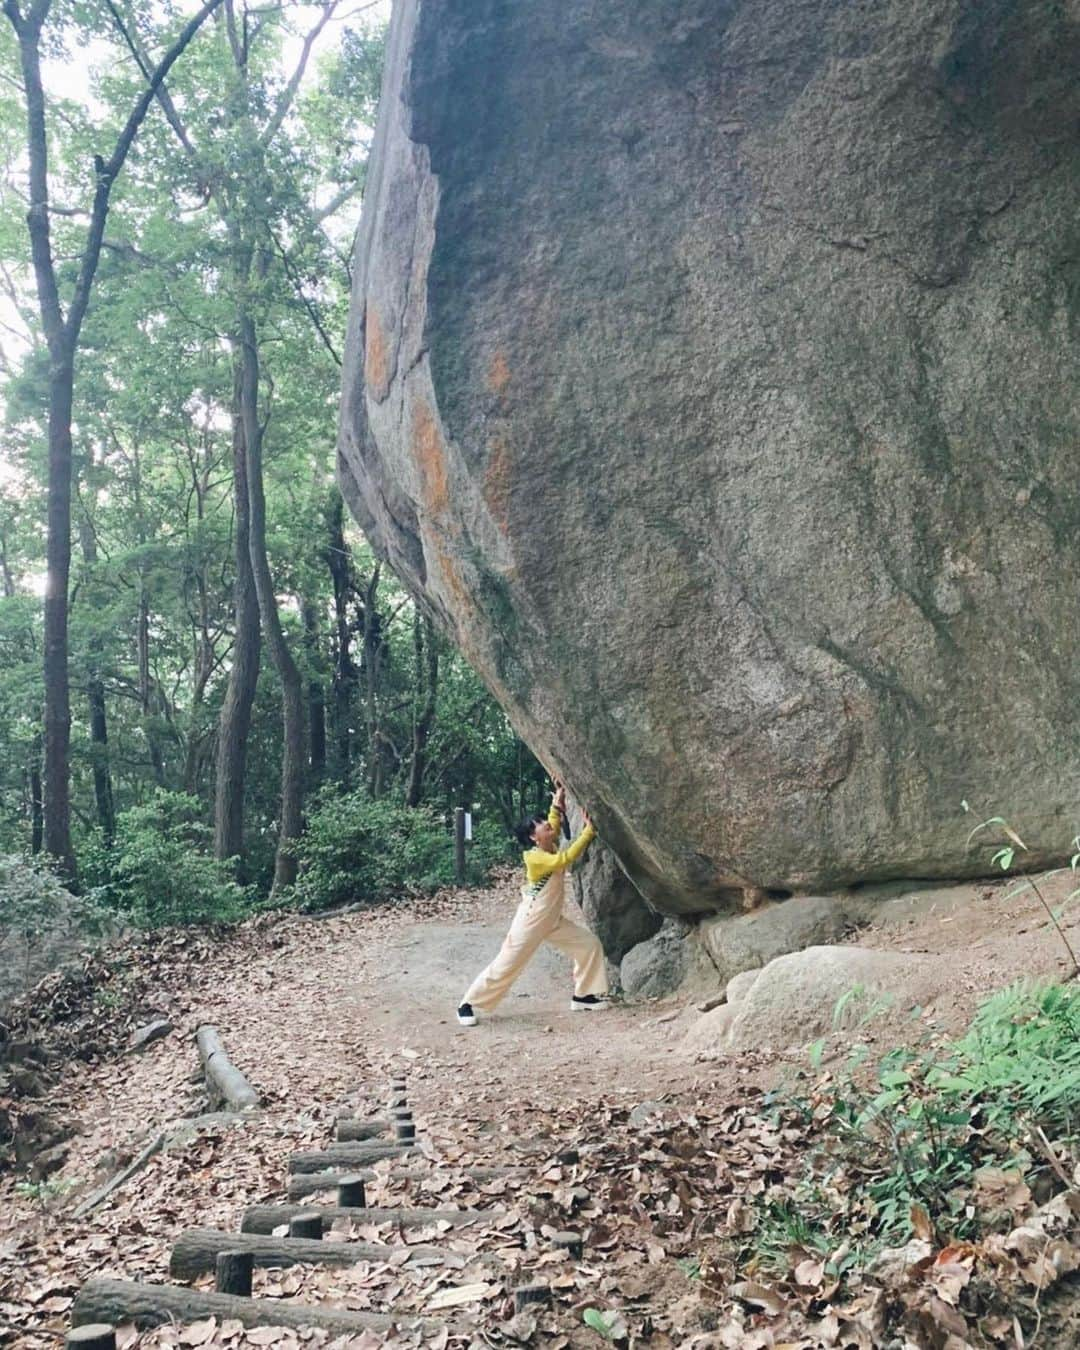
{"x":666,"y":1206}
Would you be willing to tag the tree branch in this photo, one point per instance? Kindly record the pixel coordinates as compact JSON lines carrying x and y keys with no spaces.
{"x":338,"y":201}
{"x":285,"y":102}
{"x":107,"y":172}
{"x":313,"y":313}
{"x":239,"y":52}
{"x":28,"y":30}
{"x":168,"y":107}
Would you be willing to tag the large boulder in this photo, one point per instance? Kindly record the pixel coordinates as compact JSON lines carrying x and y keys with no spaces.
{"x":611,"y":903}
{"x":711,"y":377}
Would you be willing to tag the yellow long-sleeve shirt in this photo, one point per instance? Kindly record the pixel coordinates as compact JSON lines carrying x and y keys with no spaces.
{"x":539,"y":864}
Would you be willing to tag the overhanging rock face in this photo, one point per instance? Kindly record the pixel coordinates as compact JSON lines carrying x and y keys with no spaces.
{"x":713,"y":375}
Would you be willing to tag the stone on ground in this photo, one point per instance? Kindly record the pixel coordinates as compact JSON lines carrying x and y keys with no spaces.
{"x":151,"y":1032}
{"x":799,"y":997}
{"x":659,"y":966}
{"x":749,"y":941}
{"x":611,"y":903}
{"x":740,"y":985}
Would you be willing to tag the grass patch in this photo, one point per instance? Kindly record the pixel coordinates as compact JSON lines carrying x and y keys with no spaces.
{"x":908,"y":1150}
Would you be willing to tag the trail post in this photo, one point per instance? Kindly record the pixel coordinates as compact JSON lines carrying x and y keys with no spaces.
{"x":459,"y":845}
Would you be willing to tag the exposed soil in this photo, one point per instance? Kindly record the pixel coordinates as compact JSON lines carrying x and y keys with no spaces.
{"x":318,"y":1012}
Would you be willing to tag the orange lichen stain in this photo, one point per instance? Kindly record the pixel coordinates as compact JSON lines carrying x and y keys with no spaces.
{"x":430,"y":455}
{"x":376,"y":365}
{"x":498,"y":374}
{"x":468,"y":623}
{"x":497,"y":483}
{"x":462,"y":599}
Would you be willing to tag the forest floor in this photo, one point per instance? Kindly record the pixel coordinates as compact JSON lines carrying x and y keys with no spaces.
{"x":320,"y":1013}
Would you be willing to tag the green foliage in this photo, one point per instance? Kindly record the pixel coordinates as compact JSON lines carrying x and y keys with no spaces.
{"x":242,"y":220}
{"x":906,"y":1149}
{"x":606,"y":1324}
{"x":29,"y":892}
{"x":357,"y":848}
{"x":1020,"y":1061}
{"x":158,"y":870}
{"x":34,"y":909}
{"x":43,"y":1192}
{"x":1004,"y":857}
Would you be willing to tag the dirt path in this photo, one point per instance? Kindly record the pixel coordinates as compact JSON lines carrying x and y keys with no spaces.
{"x":318,"y":1012}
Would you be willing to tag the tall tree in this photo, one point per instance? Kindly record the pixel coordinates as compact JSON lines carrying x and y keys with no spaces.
{"x":425,"y":696}
{"x":62,"y":331}
{"x":339,"y":564}
{"x":95,"y":684}
{"x":234,"y":724}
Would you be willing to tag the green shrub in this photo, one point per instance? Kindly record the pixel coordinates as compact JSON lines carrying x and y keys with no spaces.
{"x":159,"y":870}
{"x":913,"y":1142}
{"x":41,"y":923}
{"x":359,"y":849}
{"x":491,"y":845}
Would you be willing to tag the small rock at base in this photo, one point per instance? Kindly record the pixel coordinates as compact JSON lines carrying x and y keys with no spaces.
{"x":48,"y":1161}
{"x":147,"y":1035}
{"x":644,"y":1112}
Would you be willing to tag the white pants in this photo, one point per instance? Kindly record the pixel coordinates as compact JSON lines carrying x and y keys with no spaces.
{"x":540,"y":918}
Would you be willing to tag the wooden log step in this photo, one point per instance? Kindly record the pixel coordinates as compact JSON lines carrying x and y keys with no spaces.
{"x":350,"y":1131}
{"x":117,"y":1302}
{"x":265,"y":1218}
{"x":309,"y":1183}
{"x":233,"y":1273}
{"x":306,"y":1223}
{"x":224,"y":1082}
{"x":196,"y":1251}
{"x":93,"y":1336}
{"x":346,"y":1155}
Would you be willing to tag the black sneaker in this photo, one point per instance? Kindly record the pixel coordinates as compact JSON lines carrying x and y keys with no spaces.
{"x":465,"y":1015}
{"x":589,"y":1003}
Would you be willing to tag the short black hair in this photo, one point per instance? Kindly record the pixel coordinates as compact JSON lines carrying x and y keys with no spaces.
{"x":523,"y":833}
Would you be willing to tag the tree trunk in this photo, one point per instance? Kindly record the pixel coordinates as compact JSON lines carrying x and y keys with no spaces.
{"x":57,"y":785}
{"x":224,"y":1081}
{"x":142,"y":634}
{"x":36,"y":808}
{"x":344,"y":682}
{"x":315,"y":695}
{"x":5,"y":569}
{"x":99,"y":739}
{"x":427,"y":683}
{"x":146,"y":686}
{"x":95,"y":697}
{"x":195,"y":751}
{"x":372,"y":662}
{"x":62,"y":336}
{"x":292,"y":699}
{"x":235,"y":720}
